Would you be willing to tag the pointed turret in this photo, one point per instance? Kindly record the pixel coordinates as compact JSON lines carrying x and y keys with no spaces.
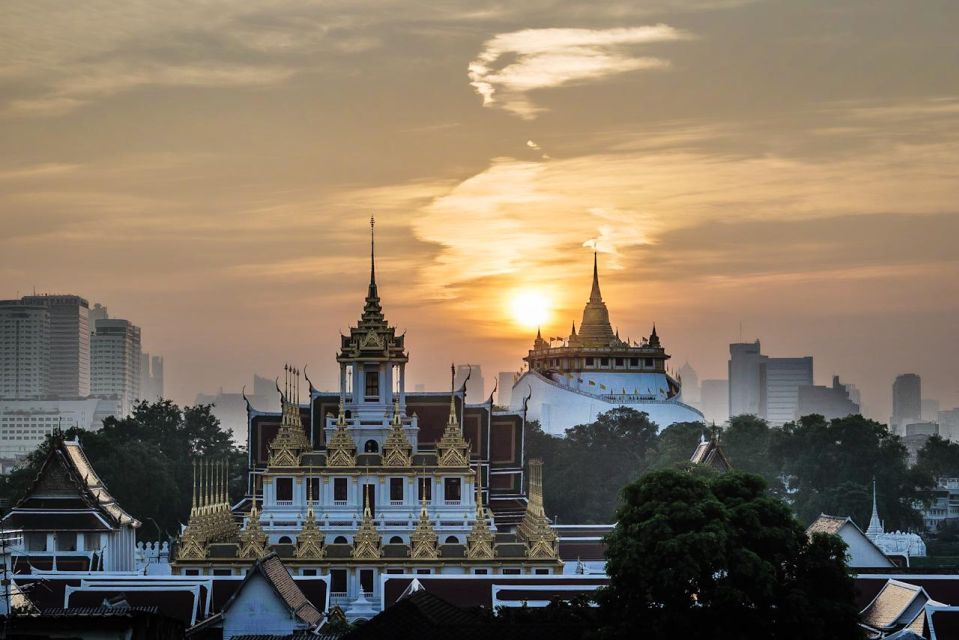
{"x":535,"y":529}
{"x":479,"y":542}
{"x":341,"y":448}
{"x":309,"y":544}
{"x":539,"y":343}
{"x":253,"y":540}
{"x":366,"y":542}
{"x":372,"y":310}
{"x":875,"y":526}
{"x":654,"y":338}
{"x":290,"y":440}
{"x":595,"y":295}
{"x":452,"y":450}
{"x":397,"y":449}
{"x":423,"y":539}
{"x":595,"y":330}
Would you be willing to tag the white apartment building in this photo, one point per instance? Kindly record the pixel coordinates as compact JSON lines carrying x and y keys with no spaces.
{"x":69,"y":344}
{"x":24,"y":350}
{"x":25,"y":423}
{"x":116,"y":363}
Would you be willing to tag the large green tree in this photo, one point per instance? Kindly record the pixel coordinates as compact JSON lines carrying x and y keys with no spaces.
{"x":829,"y":465}
{"x":676,"y":444}
{"x":146,"y":461}
{"x":718,"y":557}
{"x":939,"y":458}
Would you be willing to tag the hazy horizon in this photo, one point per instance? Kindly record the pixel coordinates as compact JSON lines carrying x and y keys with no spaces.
{"x":208,"y":171}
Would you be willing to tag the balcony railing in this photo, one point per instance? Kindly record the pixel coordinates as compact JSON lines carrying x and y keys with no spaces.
{"x":284,"y":503}
{"x":341,"y":503}
{"x":449,"y":502}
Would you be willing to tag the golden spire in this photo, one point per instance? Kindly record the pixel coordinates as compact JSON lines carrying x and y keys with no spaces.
{"x":290,"y":441}
{"x":479,"y":542}
{"x":366,"y":542}
{"x":535,"y":528}
{"x":309,"y":544}
{"x":253,"y":539}
{"x":423,"y":539}
{"x":210,"y":517}
{"x":397,"y":449}
{"x":452,"y":450}
{"x":341,"y":449}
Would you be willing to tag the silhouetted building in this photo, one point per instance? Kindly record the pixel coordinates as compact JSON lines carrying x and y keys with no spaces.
{"x":151,"y":377}
{"x":475,"y":385}
{"x":745,"y":382}
{"x":781,"y":379}
{"x":829,"y":402}
{"x":24,"y":350}
{"x":929,"y":410}
{"x":69,"y":343}
{"x":230,"y":407}
{"x":504,"y":388}
{"x":715,"y":400}
{"x":949,"y":424}
{"x":115,"y":363}
{"x":915,"y":436}
{"x":690,"y":381}
{"x":906,"y":401}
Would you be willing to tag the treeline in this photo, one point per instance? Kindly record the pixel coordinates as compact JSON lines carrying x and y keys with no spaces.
{"x":146,"y":461}
{"x":817,"y":465}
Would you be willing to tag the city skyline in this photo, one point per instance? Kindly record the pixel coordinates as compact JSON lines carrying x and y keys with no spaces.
{"x":210,"y":170}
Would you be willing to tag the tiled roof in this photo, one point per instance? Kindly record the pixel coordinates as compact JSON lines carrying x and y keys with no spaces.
{"x":422,"y":615}
{"x":890,"y":604}
{"x":827,"y":524}
{"x":279,"y":577}
{"x":100,"y":612}
{"x":95,"y":485}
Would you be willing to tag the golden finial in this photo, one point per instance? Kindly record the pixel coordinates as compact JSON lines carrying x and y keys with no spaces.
{"x":193,"y":507}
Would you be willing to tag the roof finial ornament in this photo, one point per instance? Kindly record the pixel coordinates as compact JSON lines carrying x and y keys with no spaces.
{"x":595,"y":295}
{"x":372,"y":252}
{"x":875,"y":526}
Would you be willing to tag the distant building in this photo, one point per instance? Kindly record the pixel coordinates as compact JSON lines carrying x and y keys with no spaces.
{"x":230,"y":407}
{"x":98,"y":312}
{"x":949,"y":424}
{"x":944,"y":507}
{"x":504,"y":388}
{"x":24,"y":350}
{"x":710,"y":454}
{"x":475,"y":385}
{"x":151,"y":377}
{"x":69,"y":344}
{"x":829,"y":402}
{"x":915,"y":435}
{"x":715,"y":400}
{"x":906,"y":401}
{"x":24,"y":424}
{"x":690,"y":381}
{"x":781,"y":379}
{"x":115,"y":348}
{"x":745,"y":382}
{"x":929,"y":410}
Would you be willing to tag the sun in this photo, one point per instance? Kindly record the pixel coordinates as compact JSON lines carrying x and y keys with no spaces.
{"x":529,"y":308}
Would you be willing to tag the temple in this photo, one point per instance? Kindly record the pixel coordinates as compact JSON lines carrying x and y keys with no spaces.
{"x":371,"y":480}
{"x":593,"y":370}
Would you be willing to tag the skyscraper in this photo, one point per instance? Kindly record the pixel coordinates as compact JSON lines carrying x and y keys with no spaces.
{"x":715,"y":400}
{"x":504,"y":388}
{"x":690,"y":379}
{"x":745,"y":391}
{"x":24,"y":350}
{"x":906,"y":401}
{"x":69,"y":344}
{"x":780,"y":380}
{"x":116,"y":363}
{"x":151,"y":377}
{"x":829,"y":402}
{"x":475,"y":385}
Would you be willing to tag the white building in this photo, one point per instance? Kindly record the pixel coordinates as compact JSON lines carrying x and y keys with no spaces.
{"x":69,"y":344}
{"x":861,"y":552}
{"x":116,"y":363}
{"x":25,"y":423}
{"x":593,"y":371}
{"x":24,"y":350}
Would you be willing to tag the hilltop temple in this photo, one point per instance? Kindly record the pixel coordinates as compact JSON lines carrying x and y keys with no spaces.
{"x":593,"y":371}
{"x":371,"y":480}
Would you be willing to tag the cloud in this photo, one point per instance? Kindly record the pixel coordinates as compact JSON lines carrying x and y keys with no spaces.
{"x":513,"y":64}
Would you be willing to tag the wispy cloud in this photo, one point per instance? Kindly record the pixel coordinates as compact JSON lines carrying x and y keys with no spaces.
{"x":511,"y":65}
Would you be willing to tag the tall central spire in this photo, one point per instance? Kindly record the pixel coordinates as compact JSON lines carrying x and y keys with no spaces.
{"x":595,"y":295}
{"x":372,"y":310}
{"x":595,"y":330}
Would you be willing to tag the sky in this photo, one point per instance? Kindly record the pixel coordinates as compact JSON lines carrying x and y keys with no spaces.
{"x":780,"y":170}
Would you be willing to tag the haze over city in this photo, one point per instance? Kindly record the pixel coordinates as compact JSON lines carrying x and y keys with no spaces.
{"x":775,"y":170}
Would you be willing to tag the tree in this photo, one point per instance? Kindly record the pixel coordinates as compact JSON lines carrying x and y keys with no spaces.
{"x":829,"y":468}
{"x":721,"y":558}
{"x":676,"y":444}
{"x":939,"y":458}
{"x":746,"y":442}
{"x":146,"y":460}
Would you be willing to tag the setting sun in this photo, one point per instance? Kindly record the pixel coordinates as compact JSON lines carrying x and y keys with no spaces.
{"x":529,"y":308}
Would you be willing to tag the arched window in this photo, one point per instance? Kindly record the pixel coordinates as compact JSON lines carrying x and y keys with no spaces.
{"x":452,"y":540}
{"x":340,"y":540}
{"x":285,"y":540}
{"x":371,"y":446}
{"x":396,"y":540}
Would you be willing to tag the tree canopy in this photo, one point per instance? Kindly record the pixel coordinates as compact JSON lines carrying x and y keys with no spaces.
{"x":146,"y":460}
{"x":719,"y":557}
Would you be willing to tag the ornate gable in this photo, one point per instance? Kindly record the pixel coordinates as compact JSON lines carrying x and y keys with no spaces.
{"x":424,"y":538}
{"x":366,"y":542}
{"x":397,"y":450}
{"x":341,"y":449}
{"x":479,"y":542}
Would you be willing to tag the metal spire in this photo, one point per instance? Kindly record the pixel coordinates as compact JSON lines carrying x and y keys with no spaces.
{"x":875,"y":526}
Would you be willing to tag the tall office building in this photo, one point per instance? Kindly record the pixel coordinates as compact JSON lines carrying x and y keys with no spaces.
{"x":780,"y":380}
{"x":745,"y":390}
{"x":906,"y":401}
{"x":692,"y":394}
{"x":116,"y":363}
{"x":949,"y":424}
{"x":475,"y":385}
{"x":24,"y":350}
{"x":929,"y":410}
{"x":69,"y":344}
{"x":714,"y":397}
{"x":504,"y":388}
{"x":829,"y":402}
{"x":151,"y":377}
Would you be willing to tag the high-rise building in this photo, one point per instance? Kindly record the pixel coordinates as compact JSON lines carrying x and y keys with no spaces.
{"x":715,"y":400}
{"x":906,"y":401}
{"x":116,"y":363}
{"x":24,"y":424}
{"x":151,"y":377}
{"x":504,"y":388}
{"x":780,"y":382}
{"x":949,"y":424}
{"x":829,"y":402}
{"x":475,"y":385}
{"x":24,"y":350}
{"x":692,"y":393}
{"x":929,"y":408}
{"x":98,"y":312}
{"x":69,"y":344}
{"x":745,"y":389}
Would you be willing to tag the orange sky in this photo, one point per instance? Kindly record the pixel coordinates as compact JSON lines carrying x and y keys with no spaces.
{"x":207,"y":170}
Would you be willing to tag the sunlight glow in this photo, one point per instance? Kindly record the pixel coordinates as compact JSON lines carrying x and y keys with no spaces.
{"x":529,"y":308}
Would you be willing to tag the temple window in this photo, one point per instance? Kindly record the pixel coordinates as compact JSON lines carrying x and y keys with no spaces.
{"x":604,"y":362}
{"x":36,"y":542}
{"x":620,"y":362}
{"x":339,"y":540}
{"x":91,"y":541}
{"x":423,"y":572}
{"x":480,"y":572}
{"x":191,"y":572}
{"x":541,"y":572}
{"x":366,"y":580}
{"x":395,"y":572}
{"x":589,"y":362}
{"x":426,"y":490}
{"x":451,"y":490}
{"x":511,"y":572}
{"x":338,"y":580}
{"x":309,"y":572}
{"x":372,"y":385}
{"x":284,"y":490}
{"x":452,"y":540}
{"x":371,"y":446}
{"x":67,"y":541}
{"x":223,"y":572}
{"x":285,"y":540}
{"x":339,"y":491}
{"x":396,"y":490}
{"x":649,"y":363}
{"x":396,"y":540}
{"x":634,"y":362}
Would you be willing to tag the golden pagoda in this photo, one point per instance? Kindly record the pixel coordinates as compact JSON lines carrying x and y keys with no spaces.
{"x":452,"y":450}
{"x":424,"y":538}
{"x":253,"y":540}
{"x":341,"y":449}
{"x":479,"y":542}
{"x":309,"y":544}
{"x":290,"y":441}
{"x":210,"y":516}
{"x":397,"y":449}
{"x":366,"y":542}
{"x":535,"y":529}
